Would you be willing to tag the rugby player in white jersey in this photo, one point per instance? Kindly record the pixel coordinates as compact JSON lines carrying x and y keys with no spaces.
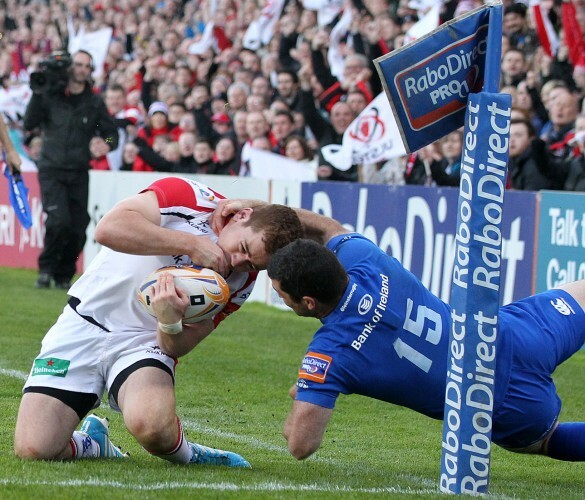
{"x":105,"y":340}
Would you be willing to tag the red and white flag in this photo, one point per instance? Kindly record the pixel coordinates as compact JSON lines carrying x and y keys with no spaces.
{"x":373,"y":136}
{"x":544,"y":28}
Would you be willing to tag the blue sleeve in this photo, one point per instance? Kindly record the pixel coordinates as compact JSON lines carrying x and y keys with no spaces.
{"x":352,"y":249}
{"x":316,"y":383}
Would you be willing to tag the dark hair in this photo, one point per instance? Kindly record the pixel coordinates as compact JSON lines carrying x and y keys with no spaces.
{"x":293,"y":74}
{"x":306,"y":268}
{"x":308,"y":153}
{"x":529,"y":127}
{"x":516,"y":8}
{"x":284,"y":112}
{"x":116,"y":87}
{"x":280,"y":224}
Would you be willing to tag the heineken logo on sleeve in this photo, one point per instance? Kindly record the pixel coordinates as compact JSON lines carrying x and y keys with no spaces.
{"x":51,"y":366}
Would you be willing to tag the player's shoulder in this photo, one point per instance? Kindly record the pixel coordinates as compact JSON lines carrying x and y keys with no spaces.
{"x":183,"y":192}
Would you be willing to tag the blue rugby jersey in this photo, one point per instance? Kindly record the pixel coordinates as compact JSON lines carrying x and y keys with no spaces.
{"x":386,"y":339}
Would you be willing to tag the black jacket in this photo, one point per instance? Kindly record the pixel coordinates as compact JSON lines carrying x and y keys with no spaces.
{"x":68,"y":123}
{"x":325,"y":135}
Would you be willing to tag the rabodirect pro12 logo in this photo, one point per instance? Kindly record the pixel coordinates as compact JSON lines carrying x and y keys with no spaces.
{"x":438,"y":86}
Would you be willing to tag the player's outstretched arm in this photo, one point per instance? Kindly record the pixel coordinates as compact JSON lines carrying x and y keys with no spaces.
{"x":305,"y":427}
{"x":319,"y":227}
{"x":133,"y":226}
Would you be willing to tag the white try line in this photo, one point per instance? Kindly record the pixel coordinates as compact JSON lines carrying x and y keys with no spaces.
{"x":250,"y":441}
{"x":14,"y":374}
{"x":192,"y":425}
{"x":223,"y":486}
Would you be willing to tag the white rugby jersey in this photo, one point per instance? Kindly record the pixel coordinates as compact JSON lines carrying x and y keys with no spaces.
{"x":108,"y":288}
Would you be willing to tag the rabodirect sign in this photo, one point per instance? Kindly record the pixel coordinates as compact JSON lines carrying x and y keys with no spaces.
{"x":428,"y":81}
{"x":417,"y":226}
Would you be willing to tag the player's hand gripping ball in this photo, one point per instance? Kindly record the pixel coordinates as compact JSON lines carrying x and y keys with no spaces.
{"x":207,"y":290}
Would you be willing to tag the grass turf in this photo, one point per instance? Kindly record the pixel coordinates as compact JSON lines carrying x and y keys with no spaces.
{"x":232,"y":394}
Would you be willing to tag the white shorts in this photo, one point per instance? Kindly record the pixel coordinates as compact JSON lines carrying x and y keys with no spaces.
{"x":81,"y":357}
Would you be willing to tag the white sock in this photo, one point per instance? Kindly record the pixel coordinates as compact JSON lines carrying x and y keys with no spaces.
{"x":181,"y":452}
{"x":84,"y":446}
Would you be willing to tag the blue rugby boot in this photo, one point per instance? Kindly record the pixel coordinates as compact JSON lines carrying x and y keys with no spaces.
{"x":203,"y":455}
{"x":98,"y":429}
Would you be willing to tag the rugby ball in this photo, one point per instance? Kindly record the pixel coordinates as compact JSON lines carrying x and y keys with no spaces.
{"x":208,"y":291}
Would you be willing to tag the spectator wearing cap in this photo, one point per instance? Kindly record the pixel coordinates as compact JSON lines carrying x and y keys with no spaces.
{"x":221,"y":125}
{"x":157,"y":124}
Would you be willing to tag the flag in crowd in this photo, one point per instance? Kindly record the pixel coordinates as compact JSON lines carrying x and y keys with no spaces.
{"x":373,"y":136}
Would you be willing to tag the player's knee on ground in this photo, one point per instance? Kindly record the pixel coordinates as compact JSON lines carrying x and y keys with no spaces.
{"x":156,"y":434}
{"x":29,"y":448}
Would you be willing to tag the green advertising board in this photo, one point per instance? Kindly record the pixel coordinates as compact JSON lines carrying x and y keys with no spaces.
{"x":561,"y":239}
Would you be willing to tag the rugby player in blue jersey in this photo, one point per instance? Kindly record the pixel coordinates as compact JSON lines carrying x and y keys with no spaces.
{"x":385,"y":336}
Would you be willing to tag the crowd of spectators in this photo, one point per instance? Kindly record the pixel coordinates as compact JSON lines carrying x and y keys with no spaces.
{"x":186,"y":107}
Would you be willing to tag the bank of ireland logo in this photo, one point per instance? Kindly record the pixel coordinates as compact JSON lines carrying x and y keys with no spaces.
{"x":365,"y":304}
{"x":368,"y":127}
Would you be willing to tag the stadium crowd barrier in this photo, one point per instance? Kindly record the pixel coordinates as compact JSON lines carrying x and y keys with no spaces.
{"x":544,"y":233}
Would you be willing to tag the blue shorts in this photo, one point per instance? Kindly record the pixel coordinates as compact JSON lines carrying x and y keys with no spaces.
{"x":546,"y":329}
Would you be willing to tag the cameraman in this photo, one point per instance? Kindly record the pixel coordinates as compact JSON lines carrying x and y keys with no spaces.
{"x":75,"y":125}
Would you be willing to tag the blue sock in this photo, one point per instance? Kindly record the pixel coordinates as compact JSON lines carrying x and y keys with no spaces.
{"x":568,"y":442}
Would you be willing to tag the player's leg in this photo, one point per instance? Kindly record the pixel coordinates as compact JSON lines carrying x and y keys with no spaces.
{"x":567,"y":440}
{"x":564,"y":440}
{"x":577,"y":290}
{"x":44,"y":427}
{"x":147,"y":400}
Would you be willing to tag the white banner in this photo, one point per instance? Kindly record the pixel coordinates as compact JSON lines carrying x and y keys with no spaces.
{"x":96,"y":43}
{"x":373,"y":136}
{"x":327,"y":10}
{"x":267,"y":165}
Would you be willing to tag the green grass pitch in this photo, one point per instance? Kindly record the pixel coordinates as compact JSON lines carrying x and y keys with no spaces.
{"x":232,"y":393}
